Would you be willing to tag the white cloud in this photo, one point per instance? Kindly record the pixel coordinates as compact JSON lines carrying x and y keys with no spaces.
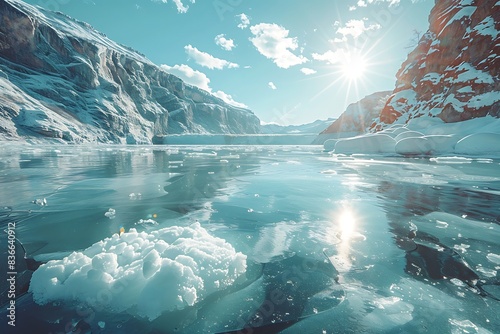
{"x":338,"y":40}
{"x":229,"y":99}
{"x":329,"y":56}
{"x":207,"y":60}
{"x":307,"y":71}
{"x":200,"y":80}
{"x":365,"y":3}
{"x":245,"y":21}
{"x":272,"y":85}
{"x":356,"y":28}
{"x":181,"y":8}
{"x":272,"y":41}
{"x":223,"y":42}
{"x":189,"y":75}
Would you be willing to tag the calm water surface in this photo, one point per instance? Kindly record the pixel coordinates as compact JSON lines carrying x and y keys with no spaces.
{"x":414,"y":242}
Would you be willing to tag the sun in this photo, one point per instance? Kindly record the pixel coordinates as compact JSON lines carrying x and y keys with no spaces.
{"x":353,"y":67}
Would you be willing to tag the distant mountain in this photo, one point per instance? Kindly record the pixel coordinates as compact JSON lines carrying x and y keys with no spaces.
{"x":309,"y":128}
{"x":359,"y":116}
{"x":62,"y":80}
{"x":454,"y":72}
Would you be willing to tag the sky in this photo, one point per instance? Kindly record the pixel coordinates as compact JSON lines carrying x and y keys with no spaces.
{"x":289,"y":61}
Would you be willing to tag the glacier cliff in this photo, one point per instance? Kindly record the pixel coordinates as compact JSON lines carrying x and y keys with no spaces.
{"x":63,"y":81}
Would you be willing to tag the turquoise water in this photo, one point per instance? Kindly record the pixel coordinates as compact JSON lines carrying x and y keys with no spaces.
{"x":410,"y":245}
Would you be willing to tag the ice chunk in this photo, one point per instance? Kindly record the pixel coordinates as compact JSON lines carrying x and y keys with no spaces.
{"x":495,"y":258}
{"x":111,"y":213}
{"x":143,"y":273}
{"x":40,"y":201}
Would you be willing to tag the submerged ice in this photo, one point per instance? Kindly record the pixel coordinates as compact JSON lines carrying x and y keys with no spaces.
{"x":144,"y":273}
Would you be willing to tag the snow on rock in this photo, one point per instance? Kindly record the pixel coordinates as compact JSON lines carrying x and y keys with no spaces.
{"x":454,"y":71}
{"x":63,"y":81}
{"x":143,"y":273}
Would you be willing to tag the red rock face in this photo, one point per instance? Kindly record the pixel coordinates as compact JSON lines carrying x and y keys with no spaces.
{"x":454,"y":72}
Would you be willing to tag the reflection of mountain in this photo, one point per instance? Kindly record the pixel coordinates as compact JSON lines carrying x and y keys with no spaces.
{"x":62,"y":80}
{"x":444,"y":219}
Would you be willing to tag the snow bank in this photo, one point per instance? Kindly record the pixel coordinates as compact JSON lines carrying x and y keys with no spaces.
{"x":479,"y":143}
{"x":144,"y":273}
{"x":373,"y":143}
{"x":428,"y":136}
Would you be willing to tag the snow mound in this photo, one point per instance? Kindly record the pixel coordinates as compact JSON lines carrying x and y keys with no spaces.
{"x":373,"y":143}
{"x":144,"y":273}
{"x":428,"y":136}
{"x":414,"y":146}
{"x":479,"y":143}
{"x":329,"y":145}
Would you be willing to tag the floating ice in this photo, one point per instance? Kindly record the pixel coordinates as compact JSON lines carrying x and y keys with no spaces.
{"x":143,"y":273}
{"x":40,"y":201}
{"x":134,"y":196}
{"x":111,"y":213}
{"x":486,"y":272}
{"x":495,"y":258}
{"x":146,"y":222}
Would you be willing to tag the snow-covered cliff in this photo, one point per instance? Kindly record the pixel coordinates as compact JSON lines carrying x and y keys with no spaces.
{"x":62,"y":80}
{"x":454,"y":72}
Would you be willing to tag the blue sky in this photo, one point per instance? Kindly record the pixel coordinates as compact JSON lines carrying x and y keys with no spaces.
{"x":289,"y":61}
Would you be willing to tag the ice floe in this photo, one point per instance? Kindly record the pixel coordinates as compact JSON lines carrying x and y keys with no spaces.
{"x":143,"y":273}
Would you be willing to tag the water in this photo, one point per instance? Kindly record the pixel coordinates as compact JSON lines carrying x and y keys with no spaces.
{"x":358,"y":243}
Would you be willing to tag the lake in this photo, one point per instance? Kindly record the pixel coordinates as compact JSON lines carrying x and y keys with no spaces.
{"x":327,"y":243}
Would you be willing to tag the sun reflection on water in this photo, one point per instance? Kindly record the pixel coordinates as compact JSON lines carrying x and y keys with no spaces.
{"x":344,"y":228}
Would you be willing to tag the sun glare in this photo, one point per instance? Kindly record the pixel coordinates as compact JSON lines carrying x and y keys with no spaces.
{"x":347,"y":225}
{"x":353,"y":68}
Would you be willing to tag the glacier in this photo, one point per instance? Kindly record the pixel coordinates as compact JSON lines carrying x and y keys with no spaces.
{"x":63,"y":81}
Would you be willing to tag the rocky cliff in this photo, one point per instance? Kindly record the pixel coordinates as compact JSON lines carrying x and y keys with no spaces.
{"x":454,"y":72}
{"x":61,"y":79}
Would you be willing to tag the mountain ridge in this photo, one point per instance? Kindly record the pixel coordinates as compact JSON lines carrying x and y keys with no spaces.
{"x":64,"y":81}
